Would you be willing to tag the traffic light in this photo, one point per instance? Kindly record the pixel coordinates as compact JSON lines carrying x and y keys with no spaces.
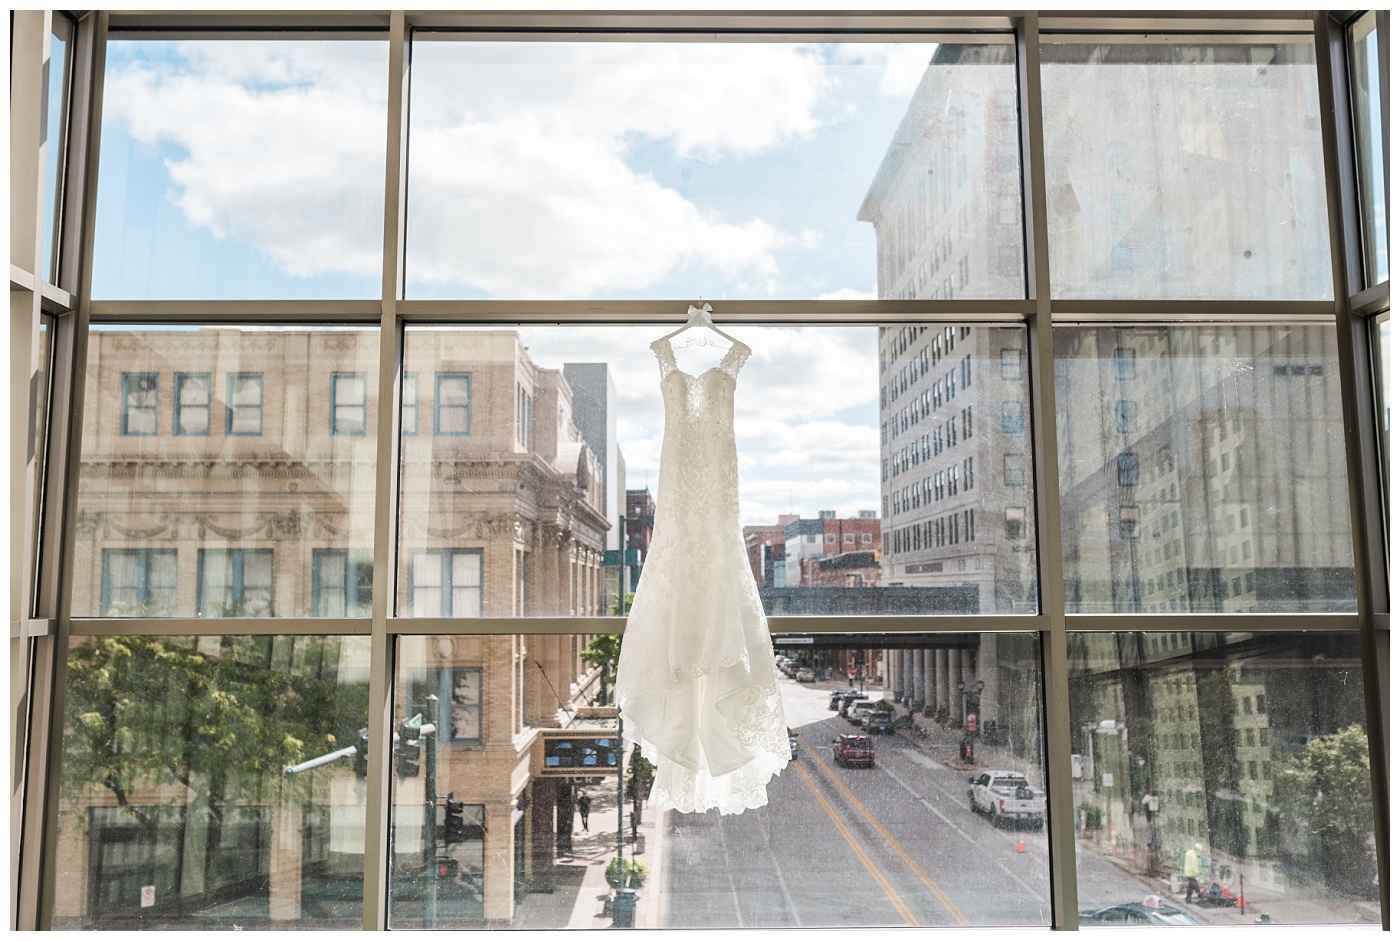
{"x":362,"y":754}
{"x":454,"y":825}
{"x":408,"y":749}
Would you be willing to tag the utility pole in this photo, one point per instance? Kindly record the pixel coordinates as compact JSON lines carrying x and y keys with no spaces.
{"x":429,"y":731}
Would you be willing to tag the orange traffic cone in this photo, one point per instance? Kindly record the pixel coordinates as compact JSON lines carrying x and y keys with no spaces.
{"x":1020,"y":842}
{"x":1112,"y":839}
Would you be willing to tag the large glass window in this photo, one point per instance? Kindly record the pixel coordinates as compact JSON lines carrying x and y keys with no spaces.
{"x":1215,"y":767}
{"x":1234,"y":496}
{"x":138,"y":582}
{"x":917,"y":787}
{"x":267,"y":474}
{"x":180,"y":212}
{"x":191,"y":792}
{"x":55,"y":137}
{"x":40,"y":392}
{"x":1145,"y":140}
{"x":1366,"y":91}
{"x":651,"y":169}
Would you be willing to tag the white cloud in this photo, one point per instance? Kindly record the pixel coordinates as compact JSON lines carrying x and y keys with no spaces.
{"x":851,"y":294}
{"x":902,"y":65}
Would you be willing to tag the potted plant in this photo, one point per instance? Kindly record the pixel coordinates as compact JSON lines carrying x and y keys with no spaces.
{"x":629,"y":872}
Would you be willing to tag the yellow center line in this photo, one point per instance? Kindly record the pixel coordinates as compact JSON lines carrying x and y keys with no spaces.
{"x":894,"y":844}
{"x":864,"y":857}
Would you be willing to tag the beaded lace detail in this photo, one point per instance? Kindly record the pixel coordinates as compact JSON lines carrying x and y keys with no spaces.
{"x":696,"y":683}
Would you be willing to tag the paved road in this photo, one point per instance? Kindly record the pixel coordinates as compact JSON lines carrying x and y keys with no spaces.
{"x":891,"y":845}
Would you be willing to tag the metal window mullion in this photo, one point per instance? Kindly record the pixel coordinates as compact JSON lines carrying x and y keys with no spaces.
{"x":1361,"y":464}
{"x":1060,"y":836}
{"x":45,"y":784}
{"x":375,"y":912}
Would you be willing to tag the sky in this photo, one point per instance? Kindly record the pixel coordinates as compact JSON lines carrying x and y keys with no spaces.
{"x":555,"y":170}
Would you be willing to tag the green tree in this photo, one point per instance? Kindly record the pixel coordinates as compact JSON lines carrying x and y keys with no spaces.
{"x":1326,"y":791}
{"x":603,"y":652}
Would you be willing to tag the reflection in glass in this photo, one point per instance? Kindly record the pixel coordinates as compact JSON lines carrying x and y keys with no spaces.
{"x":507,"y":776}
{"x":191,"y":793}
{"x":38,"y":456}
{"x":651,"y":169}
{"x":212,"y":480}
{"x":1383,"y":412}
{"x":180,"y":216}
{"x":55,"y":138}
{"x":1237,"y":492}
{"x":1370,"y":149}
{"x":1145,"y":142}
{"x":1247,"y":750}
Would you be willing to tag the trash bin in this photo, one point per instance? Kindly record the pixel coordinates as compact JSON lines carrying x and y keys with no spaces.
{"x":624,"y":908}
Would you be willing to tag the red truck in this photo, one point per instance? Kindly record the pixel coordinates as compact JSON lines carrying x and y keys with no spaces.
{"x":853,"y":751}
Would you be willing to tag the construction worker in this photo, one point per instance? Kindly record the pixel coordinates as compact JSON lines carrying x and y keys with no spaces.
{"x":1191,"y":872}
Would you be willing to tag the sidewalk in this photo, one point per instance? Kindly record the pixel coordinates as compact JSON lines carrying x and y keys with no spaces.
{"x":581,"y":894}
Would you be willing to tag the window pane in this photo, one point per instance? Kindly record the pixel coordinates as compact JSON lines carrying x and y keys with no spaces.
{"x":594,"y":166}
{"x":1145,"y":140}
{"x":257,"y":505}
{"x":180,"y":215}
{"x":1241,"y":487}
{"x":1246,"y":751}
{"x":55,"y":138}
{"x":905,"y":455}
{"x":40,"y":389}
{"x":176,"y":812}
{"x":838,"y":844}
{"x":1370,"y":155}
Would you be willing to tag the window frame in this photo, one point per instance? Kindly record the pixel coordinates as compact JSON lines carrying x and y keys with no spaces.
{"x":181,"y":380}
{"x":231,"y":408}
{"x":363,"y":405}
{"x":466,"y":409}
{"x":128,"y":380}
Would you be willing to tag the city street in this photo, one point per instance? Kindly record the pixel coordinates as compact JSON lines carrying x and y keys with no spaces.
{"x":895,"y":844}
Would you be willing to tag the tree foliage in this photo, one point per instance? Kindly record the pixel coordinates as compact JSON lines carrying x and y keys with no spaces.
{"x":603,"y":652}
{"x":146,"y":714}
{"x":1326,"y":791}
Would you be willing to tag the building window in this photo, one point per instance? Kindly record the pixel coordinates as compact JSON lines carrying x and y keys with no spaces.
{"x":1127,"y":522}
{"x":866,"y":539}
{"x":138,"y":583}
{"x":1013,"y":470}
{"x":245,"y":403}
{"x":408,"y":405}
{"x":848,"y":539}
{"x":444,"y":583}
{"x":341,"y":583}
{"x":1015,"y":522}
{"x":1125,"y":410}
{"x":192,"y":403}
{"x":349,"y":405}
{"x":235,"y":583}
{"x":1013,"y":418}
{"x":1125,"y":363}
{"x":524,"y":415}
{"x":140,"y":403}
{"x":1127,"y":469}
{"x":461,"y":704}
{"x":453,"y":398}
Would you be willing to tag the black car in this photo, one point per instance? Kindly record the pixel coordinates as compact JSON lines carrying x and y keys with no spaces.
{"x":879,"y":722}
{"x":1156,"y":912}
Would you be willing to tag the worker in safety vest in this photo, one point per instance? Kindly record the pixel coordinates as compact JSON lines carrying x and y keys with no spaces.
{"x":1191,"y":871}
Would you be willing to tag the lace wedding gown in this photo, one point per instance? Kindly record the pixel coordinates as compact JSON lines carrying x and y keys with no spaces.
{"x":696,"y":683}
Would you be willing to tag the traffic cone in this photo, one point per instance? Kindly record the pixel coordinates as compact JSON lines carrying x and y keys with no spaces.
{"x":1020,"y":842}
{"x":1112,"y":839}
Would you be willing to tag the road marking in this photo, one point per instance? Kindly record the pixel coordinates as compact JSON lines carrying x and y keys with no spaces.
{"x":931,"y":809}
{"x":895,"y":845}
{"x":865,"y":859}
{"x":729,"y":870}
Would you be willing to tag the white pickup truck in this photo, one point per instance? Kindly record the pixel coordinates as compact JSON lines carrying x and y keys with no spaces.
{"x":1006,"y":795}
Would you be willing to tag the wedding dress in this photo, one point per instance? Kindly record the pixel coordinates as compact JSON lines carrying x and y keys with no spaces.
{"x":696,"y":683}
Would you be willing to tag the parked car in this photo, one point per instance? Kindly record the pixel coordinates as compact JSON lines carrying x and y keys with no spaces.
{"x":792,"y":741}
{"x":858,"y":710}
{"x":838,"y":697}
{"x":806,"y":676}
{"x":853,"y":751}
{"x":1006,"y":795}
{"x":878,"y":721}
{"x":1151,"y":911}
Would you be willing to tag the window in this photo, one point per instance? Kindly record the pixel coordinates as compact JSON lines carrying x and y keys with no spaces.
{"x":138,"y":582}
{"x":235,"y":583}
{"x":349,"y":405}
{"x":1013,"y":418}
{"x":848,"y":539}
{"x":1013,"y":470}
{"x":1127,"y":469}
{"x":192,"y":403}
{"x":342,"y":581}
{"x":453,"y":414}
{"x":140,"y":398}
{"x":408,"y":405}
{"x":866,"y":539}
{"x":1126,"y":412}
{"x":245,"y":403}
{"x":1125,"y":363}
{"x":1127,"y":522}
{"x":444,"y":583}
{"x":1015,"y":523}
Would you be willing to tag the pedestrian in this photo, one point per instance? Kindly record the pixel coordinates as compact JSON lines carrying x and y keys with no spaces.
{"x":1191,"y":871}
{"x":585,"y":803}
